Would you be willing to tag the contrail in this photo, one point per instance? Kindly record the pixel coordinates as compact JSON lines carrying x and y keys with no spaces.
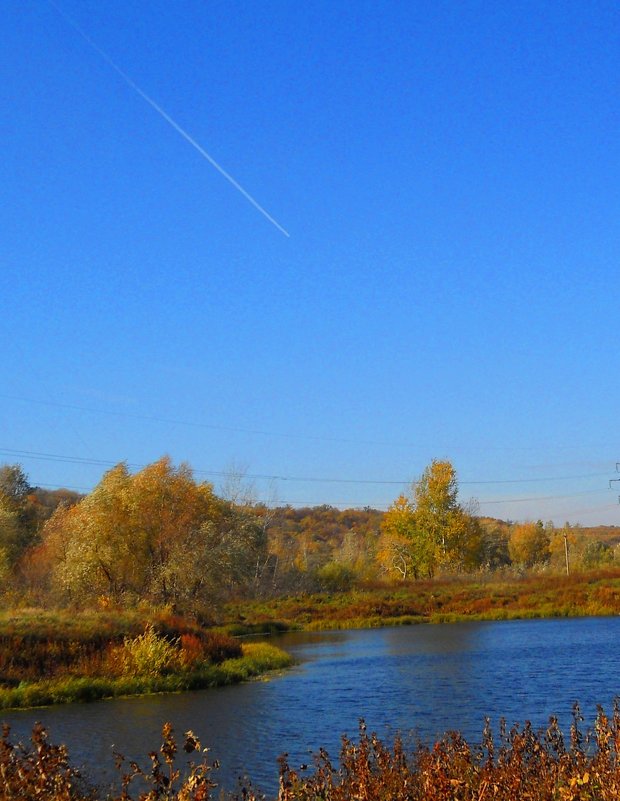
{"x":167,"y":117}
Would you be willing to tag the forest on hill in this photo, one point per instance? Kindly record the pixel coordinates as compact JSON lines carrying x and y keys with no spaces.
{"x":158,"y":535}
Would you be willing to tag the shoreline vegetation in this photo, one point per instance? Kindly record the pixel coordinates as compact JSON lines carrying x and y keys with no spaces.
{"x":66,"y":655}
{"x":516,"y":763}
{"x":440,"y":600}
{"x":63,"y":657}
{"x":146,"y":583}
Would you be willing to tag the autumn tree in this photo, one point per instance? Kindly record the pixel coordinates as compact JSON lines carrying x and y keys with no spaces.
{"x":166,"y":507}
{"x":562,"y":540}
{"x":156,"y":534}
{"x":404,"y":548}
{"x":431,"y":530}
{"x":94,"y":549}
{"x":16,"y":505}
{"x":441,"y":518}
{"x":529,"y":544}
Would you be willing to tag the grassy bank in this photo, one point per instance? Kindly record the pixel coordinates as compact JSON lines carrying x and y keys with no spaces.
{"x":255,"y":660}
{"x":58,"y":657}
{"x":61,"y":656}
{"x":437,"y":601}
{"x":520,"y":763}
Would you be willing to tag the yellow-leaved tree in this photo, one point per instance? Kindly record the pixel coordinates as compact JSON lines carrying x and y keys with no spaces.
{"x":430,"y":530}
{"x":404,"y":549}
{"x":529,"y":544}
{"x":156,"y":534}
{"x":455,"y":531}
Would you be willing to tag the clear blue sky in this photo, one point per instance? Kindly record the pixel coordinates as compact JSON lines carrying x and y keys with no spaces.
{"x":449,"y":175}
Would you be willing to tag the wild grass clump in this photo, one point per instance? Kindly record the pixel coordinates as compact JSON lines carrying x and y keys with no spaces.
{"x":257,"y":658}
{"x":36,"y":645}
{"x":169,"y":671}
{"x":148,"y":654}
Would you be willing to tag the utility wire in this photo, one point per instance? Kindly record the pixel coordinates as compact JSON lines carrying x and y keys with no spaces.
{"x":240,"y":430}
{"x":199,"y":424}
{"x":55,"y":457}
{"x":377,"y":507}
{"x":542,"y":497}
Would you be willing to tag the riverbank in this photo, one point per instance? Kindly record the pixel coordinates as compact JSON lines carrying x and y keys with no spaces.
{"x":57,"y":657}
{"x":256,"y":660}
{"x":445,"y":600}
{"x":60,"y":656}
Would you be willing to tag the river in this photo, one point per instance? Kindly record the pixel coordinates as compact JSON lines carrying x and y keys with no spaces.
{"x":424,"y":678}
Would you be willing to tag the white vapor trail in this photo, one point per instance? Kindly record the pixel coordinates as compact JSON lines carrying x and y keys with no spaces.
{"x":167,"y":117}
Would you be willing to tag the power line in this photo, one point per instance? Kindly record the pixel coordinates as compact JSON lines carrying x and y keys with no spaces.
{"x":534,"y":498}
{"x":242,"y":430}
{"x":541,"y":498}
{"x":594,"y":509}
{"x":37,"y":484}
{"x":198,"y":424}
{"x":55,"y":457}
{"x":280,"y":501}
{"x":377,"y":507}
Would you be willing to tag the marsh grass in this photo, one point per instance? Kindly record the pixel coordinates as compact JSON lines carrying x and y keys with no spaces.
{"x":442,"y":600}
{"x":35,"y":644}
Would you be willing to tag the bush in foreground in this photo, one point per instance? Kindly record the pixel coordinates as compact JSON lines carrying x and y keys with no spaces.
{"x":519,"y":764}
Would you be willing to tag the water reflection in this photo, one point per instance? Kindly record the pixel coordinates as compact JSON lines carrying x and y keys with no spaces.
{"x":426,"y":678}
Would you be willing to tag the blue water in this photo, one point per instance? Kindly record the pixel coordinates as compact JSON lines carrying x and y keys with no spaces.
{"x":426,"y":679}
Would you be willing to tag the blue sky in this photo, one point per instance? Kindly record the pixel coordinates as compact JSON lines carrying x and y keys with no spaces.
{"x":448,"y":173}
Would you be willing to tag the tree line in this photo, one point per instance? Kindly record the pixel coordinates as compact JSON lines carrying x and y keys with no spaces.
{"x":160,"y":535}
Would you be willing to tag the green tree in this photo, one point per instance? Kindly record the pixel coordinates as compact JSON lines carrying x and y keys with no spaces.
{"x":225,"y":555}
{"x":335,"y":577}
{"x":14,"y":484}
{"x":597,"y":554}
{"x":494,"y":544}
{"x":9,"y":539}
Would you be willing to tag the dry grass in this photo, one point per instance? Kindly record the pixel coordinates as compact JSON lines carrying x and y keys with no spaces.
{"x":519,"y":765}
{"x":63,"y":645}
{"x":482,"y":597}
{"x":44,"y":661}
